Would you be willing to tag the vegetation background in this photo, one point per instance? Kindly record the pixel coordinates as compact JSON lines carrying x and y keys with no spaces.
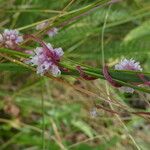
{"x":41,"y":113}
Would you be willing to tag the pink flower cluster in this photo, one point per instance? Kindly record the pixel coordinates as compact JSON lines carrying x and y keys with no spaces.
{"x":47,"y":59}
{"x":10,"y":38}
{"x":126,"y":64}
{"x":130,"y":64}
{"x":51,"y":33}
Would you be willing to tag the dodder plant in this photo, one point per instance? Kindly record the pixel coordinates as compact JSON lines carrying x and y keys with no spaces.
{"x":127,"y":76}
{"x":77,"y":29}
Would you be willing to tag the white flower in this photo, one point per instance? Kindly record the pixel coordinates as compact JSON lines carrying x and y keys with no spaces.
{"x":93,"y":112}
{"x":52,"y":32}
{"x":125,"y":89}
{"x":55,"y":70}
{"x":45,"y":62}
{"x":10,"y":38}
{"x":126,"y":64}
{"x":59,"y":51}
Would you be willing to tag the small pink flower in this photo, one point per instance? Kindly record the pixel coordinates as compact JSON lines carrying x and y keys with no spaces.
{"x":10,"y":38}
{"x":47,"y":60}
{"x":42,"y":25}
{"x":51,"y":33}
{"x":126,"y":64}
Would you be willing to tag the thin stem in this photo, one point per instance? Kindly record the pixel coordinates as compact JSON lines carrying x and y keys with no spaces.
{"x":106,"y":84}
{"x":43,"y":121}
{"x":30,"y":11}
{"x":102,"y":36}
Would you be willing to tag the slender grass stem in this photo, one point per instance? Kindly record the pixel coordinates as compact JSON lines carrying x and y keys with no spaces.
{"x":30,"y":11}
{"x":43,"y":119}
{"x":106,"y":84}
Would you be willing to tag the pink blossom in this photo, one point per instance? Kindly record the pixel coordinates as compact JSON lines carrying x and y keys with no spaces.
{"x":47,"y":60}
{"x":10,"y":38}
{"x":126,"y":64}
{"x":130,"y":64}
{"x":42,"y":25}
{"x":51,"y":33}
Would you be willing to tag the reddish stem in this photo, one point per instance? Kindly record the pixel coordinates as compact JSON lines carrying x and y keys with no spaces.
{"x":64,"y":69}
{"x":83,"y":75}
{"x":109,"y":78}
{"x":47,"y":51}
{"x":141,"y":76}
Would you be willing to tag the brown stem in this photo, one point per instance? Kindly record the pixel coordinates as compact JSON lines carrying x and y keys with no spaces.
{"x":115,"y":112}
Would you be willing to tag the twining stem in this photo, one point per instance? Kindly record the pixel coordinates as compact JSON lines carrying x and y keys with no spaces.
{"x":127,"y":78}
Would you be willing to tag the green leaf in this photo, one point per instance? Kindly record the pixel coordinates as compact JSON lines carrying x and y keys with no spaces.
{"x":140,"y":31}
{"x":83,"y":127}
{"x":13,"y":52}
{"x":13,"y":67}
{"x":109,"y":144}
